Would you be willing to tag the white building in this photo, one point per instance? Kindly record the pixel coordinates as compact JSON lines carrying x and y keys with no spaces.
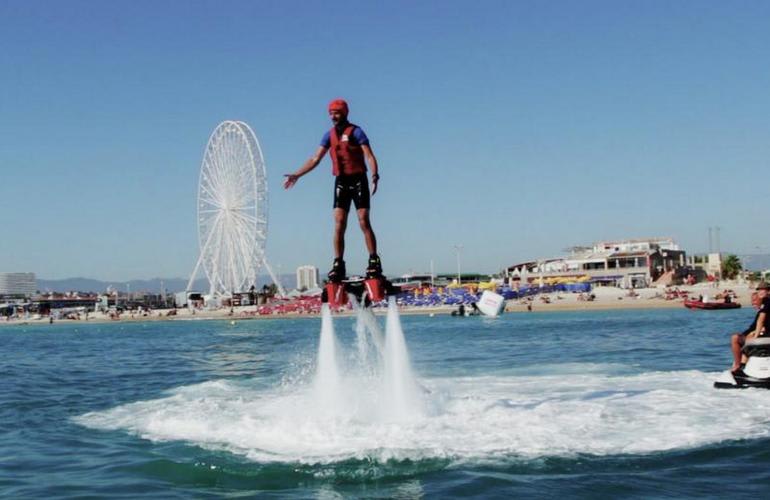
{"x":18,"y":284}
{"x":627,"y":263}
{"x":307,"y":277}
{"x":710,"y":263}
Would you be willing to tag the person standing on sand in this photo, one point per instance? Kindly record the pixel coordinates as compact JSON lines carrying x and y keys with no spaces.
{"x":350,"y":152}
{"x":756,"y":328}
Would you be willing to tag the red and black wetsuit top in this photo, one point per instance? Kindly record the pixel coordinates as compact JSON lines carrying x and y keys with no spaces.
{"x":347,"y":155}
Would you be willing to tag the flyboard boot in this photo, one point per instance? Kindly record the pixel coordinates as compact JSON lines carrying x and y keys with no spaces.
{"x":374,"y":287}
{"x":375,"y":282}
{"x":337,"y":274}
{"x":374,"y":270}
{"x":334,"y":293}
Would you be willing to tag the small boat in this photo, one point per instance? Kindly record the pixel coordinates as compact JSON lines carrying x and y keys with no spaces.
{"x":699,"y":304}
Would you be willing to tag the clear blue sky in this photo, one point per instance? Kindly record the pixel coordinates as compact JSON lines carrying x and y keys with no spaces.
{"x":513,"y":128}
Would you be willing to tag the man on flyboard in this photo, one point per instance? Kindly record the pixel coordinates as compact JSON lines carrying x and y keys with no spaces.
{"x":350,"y":152}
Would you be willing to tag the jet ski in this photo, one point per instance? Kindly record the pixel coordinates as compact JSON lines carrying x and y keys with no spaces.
{"x":756,"y":372}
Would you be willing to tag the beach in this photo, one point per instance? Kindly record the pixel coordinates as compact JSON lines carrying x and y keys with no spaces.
{"x":643,"y":298}
{"x":605,"y":298}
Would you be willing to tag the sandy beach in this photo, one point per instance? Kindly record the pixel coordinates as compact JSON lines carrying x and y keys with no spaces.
{"x":605,"y":298}
{"x":617,"y":298}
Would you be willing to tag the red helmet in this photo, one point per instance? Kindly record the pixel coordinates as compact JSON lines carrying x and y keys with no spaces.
{"x":339,"y":105}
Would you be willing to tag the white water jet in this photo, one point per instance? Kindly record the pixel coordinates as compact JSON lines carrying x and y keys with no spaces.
{"x":400,"y":390}
{"x":379,"y":384}
{"x":369,"y":340}
{"x":362,"y":343}
{"x":328,"y":384}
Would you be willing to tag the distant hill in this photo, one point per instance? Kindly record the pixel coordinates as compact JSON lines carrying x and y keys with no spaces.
{"x":755,"y":262}
{"x":152,"y":285}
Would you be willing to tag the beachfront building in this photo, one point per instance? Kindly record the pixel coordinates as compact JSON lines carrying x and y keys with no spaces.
{"x":307,"y":277}
{"x":630,"y":263}
{"x":20,"y":285}
{"x":709,"y":264}
{"x":63,"y":303}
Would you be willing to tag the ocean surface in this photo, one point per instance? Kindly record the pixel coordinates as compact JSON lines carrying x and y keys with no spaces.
{"x":587,"y":404}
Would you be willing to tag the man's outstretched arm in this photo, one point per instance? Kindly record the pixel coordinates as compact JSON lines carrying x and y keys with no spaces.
{"x":309,"y":165}
{"x":372,"y":161}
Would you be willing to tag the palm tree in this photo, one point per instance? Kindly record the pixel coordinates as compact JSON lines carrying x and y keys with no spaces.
{"x":731,"y":266}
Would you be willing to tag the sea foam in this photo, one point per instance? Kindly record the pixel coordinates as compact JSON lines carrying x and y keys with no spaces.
{"x":473,"y":418}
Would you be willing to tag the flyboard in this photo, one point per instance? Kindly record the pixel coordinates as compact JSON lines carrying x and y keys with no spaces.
{"x":366,"y":291}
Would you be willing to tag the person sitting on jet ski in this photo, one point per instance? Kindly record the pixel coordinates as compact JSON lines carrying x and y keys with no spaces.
{"x":756,"y":329}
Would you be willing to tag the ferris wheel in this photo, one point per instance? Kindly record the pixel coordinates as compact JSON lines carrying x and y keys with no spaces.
{"x":232,"y":210}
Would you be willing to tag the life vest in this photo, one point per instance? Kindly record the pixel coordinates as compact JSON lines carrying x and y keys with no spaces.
{"x":347,"y":158}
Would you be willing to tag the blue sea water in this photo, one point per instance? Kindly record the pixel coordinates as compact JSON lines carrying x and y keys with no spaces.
{"x":586,"y":404}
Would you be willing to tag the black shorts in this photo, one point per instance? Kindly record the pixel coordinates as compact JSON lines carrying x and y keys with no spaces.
{"x":349,"y":188}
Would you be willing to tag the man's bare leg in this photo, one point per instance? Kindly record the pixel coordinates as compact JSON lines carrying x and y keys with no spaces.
{"x":338,"y":272}
{"x":736,"y":344}
{"x":366,"y":227}
{"x":340,"y":225}
{"x":374,"y":266}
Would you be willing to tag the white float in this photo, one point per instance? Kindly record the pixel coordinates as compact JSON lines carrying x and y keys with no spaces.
{"x":491,"y":303}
